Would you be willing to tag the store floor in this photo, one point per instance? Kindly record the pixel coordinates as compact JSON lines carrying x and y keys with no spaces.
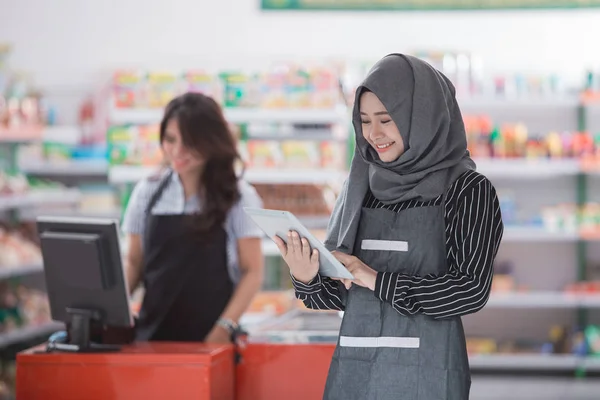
{"x":531,"y":388}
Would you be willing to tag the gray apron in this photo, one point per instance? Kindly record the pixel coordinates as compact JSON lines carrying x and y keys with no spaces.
{"x":382,"y":355}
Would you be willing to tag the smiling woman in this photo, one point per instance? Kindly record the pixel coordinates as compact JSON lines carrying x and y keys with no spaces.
{"x":197,"y":253}
{"x":419,"y":230}
{"x":379,"y":129}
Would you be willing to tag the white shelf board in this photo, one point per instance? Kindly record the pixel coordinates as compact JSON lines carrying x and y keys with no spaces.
{"x":542,"y":300}
{"x":239,"y":115}
{"x":487,"y":102}
{"x":295,"y":176}
{"x":527,"y":168}
{"x":550,"y":362}
{"x":40,"y":198}
{"x":308,"y":135}
{"x":136,"y":116}
{"x":12,"y":272}
{"x":65,"y":134}
{"x":591,"y":364}
{"x":74,"y":168}
{"x":535,"y":234}
{"x":28,"y":333}
{"x":129,"y":173}
{"x":32,"y":214}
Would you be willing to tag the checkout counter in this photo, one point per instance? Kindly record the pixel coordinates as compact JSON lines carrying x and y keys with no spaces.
{"x":285,"y":357}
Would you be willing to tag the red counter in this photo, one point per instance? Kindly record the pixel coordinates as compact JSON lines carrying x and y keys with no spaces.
{"x":141,"y":371}
{"x":177,"y":371}
{"x":283,"y":371}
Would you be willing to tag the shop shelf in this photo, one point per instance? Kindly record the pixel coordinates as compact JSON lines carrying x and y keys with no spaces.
{"x":239,"y":115}
{"x":295,"y":176}
{"x":542,"y":299}
{"x":28,"y":333}
{"x":528,"y":168}
{"x":39,"y":198}
{"x":527,"y":234}
{"x":73,"y":168}
{"x":57,"y":134}
{"x":537,"y":362}
{"x":12,"y":272}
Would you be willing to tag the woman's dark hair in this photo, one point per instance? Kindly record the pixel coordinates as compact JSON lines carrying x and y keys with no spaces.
{"x":205,"y":131}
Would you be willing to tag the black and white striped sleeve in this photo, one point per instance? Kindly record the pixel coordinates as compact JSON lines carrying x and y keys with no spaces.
{"x":476,"y":232}
{"x":321,"y":293}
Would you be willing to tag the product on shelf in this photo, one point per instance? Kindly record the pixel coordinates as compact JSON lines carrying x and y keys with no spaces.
{"x":561,"y":340}
{"x":586,"y":287}
{"x":21,"y":307}
{"x":503,"y":280}
{"x":16,"y":250}
{"x":301,"y":200}
{"x":282,"y":86}
{"x":466,"y":71}
{"x":514,"y":140}
{"x":293,"y":154}
{"x":567,"y":218}
{"x":134,"y":145}
{"x":272,"y":302}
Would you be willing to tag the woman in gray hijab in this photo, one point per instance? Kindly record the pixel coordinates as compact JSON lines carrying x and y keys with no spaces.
{"x":418,"y":228}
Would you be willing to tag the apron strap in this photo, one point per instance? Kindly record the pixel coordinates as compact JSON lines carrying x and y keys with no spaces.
{"x":159,"y":191}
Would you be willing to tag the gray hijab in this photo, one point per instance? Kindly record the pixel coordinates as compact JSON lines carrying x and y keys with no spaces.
{"x":421,"y":102}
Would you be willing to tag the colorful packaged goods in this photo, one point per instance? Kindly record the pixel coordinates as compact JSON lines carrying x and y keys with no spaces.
{"x":162,"y":87}
{"x":128,"y":89}
{"x":134,"y":145}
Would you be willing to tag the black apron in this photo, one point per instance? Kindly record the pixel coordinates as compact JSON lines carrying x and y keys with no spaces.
{"x":186,"y":279}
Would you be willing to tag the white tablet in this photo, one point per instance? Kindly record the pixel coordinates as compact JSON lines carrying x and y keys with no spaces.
{"x":279,"y":223}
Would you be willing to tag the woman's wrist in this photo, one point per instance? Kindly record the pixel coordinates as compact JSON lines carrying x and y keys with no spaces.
{"x":228,"y":324}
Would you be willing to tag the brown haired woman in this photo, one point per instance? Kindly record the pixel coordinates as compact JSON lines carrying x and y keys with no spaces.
{"x":191,"y":243}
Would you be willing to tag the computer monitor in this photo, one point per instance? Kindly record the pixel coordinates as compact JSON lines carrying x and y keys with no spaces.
{"x":85,"y":278}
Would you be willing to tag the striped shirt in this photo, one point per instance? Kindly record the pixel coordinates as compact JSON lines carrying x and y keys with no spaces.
{"x":474,"y":231}
{"x":237,"y":225}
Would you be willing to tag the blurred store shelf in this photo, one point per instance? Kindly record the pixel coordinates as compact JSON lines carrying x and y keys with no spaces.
{"x":295,"y":176}
{"x":522,"y":234}
{"x":73,"y":168}
{"x":39,"y":198}
{"x":13,"y":272}
{"x":56,"y":134}
{"x":527,"y":168}
{"x":537,"y":362}
{"x":488,"y":102}
{"x":130,"y":174}
{"x":543,"y":299}
{"x":32,"y":214}
{"x":29,"y":333}
{"x":239,"y":115}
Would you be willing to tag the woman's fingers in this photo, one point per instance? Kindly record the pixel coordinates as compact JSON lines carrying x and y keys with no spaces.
{"x":280,"y":245}
{"x":305,"y":249}
{"x":296,"y":244}
{"x":314,"y":257}
{"x":290,"y":244}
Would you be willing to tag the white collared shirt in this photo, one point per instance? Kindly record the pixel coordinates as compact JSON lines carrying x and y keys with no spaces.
{"x":237,"y":225}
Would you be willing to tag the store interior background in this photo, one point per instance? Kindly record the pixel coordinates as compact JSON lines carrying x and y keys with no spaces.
{"x":69,"y":49}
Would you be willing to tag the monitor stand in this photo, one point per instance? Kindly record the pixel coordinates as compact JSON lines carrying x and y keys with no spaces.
{"x":79,"y":334}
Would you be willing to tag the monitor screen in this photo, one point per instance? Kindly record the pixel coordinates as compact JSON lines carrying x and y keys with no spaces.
{"x":83,"y":268}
